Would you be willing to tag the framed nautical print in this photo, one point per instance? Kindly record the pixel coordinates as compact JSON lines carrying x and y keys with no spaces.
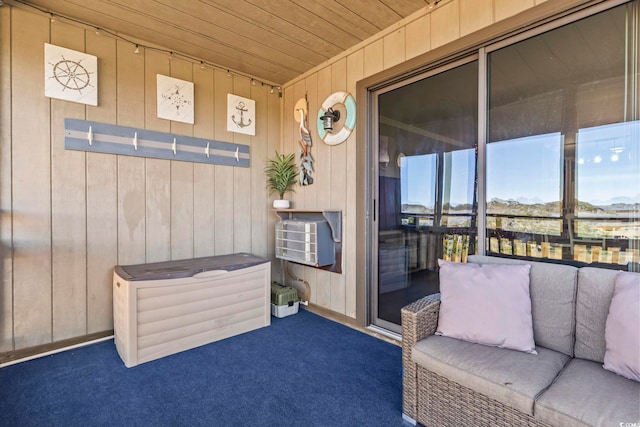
{"x":70,"y":75}
{"x":241,"y":115}
{"x":175,"y":99}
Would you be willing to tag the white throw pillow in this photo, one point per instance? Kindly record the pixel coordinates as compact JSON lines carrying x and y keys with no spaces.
{"x":487,"y":304}
{"x":622,"y":330}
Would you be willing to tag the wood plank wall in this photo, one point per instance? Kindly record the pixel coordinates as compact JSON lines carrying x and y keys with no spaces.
{"x":335,"y":174}
{"x":66,"y":217}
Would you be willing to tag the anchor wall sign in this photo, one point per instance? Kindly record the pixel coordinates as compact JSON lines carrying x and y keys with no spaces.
{"x":241,"y":115}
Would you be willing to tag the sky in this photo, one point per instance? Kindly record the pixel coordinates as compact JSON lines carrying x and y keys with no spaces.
{"x":616,"y":173}
{"x":530,"y":169}
{"x":416,"y":173}
{"x":525,"y":168}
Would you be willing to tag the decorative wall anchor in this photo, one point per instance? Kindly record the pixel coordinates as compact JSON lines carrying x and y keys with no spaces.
{"x":241,"y":115}
{"x":305,"y":159}
{"x":239,"y":119}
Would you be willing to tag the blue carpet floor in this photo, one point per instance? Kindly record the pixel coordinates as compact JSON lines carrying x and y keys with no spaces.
{"x":303,"y":370}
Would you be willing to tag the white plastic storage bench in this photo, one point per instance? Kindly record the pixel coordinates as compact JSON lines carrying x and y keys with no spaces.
{"x":167,"y":307}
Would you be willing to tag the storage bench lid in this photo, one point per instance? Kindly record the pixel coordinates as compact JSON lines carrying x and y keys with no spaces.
{"x":186,"y":267}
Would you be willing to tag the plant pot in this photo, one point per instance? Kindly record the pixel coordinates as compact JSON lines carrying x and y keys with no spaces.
{"x":281,"y":204}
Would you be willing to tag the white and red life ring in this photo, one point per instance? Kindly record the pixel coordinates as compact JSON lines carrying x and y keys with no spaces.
{"x":349,"y":103}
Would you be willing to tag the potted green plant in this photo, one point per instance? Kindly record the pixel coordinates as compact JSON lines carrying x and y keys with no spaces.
{"x":282,"y":174}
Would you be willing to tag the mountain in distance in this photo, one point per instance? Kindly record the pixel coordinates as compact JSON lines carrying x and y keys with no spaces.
{"x":416,"y":208}
{"x":624,"y":207}
{"x":530,"y":201}
{"x":535,"y":207}
{"x":619,"y":204}
{"x":514,"y":207}
{"x":617,"y":200}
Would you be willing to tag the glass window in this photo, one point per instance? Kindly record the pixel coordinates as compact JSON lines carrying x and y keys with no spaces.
{"x":458,"y":181}
{"x":607,"y":164}
{"x":426,"y":184}
{"x":514,"y":204}
{"x":562,"y":150}
{"x":607,"y":194}
{"x":418,"y":183}
{"x":458,"y":189}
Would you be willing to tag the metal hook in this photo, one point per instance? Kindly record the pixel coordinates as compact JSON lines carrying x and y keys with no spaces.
{"x":90,"y":135}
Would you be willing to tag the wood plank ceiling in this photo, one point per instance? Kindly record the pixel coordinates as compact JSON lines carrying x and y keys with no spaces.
{"x":273,"y":41}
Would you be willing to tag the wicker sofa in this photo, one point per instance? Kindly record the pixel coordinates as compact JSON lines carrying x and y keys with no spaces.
{"x":449,"y":382}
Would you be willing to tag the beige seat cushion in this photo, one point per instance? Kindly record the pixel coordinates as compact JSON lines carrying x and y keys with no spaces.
{"x":511,"y":377}
{"x":587,"y":394}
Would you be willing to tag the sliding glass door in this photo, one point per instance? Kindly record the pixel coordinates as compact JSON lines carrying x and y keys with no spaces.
{"x":563,"y":147}
{"x":426,"y":184}
{"x":528,"y":149}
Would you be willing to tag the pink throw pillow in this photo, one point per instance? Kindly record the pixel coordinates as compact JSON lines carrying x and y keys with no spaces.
{"x":487,"y":304}
{"x":622,"y":330}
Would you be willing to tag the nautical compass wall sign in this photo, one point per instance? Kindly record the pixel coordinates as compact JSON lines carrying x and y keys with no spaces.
{"x":241,"y":115}
{"x":70,"y":75}
{"x":175,"y":99}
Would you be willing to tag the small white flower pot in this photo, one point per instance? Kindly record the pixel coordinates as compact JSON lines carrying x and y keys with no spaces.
{"x":281,"y":204}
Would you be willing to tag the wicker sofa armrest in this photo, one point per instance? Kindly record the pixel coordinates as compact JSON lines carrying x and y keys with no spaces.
{"x":419,"y":320}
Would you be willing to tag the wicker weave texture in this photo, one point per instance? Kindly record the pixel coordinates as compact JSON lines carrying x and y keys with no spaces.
{"x":419,"y":320}
{"x":445,"y":403}
{"x":433,"y":400}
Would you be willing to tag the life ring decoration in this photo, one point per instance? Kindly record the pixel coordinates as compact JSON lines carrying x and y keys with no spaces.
{"x":349,"y":103}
